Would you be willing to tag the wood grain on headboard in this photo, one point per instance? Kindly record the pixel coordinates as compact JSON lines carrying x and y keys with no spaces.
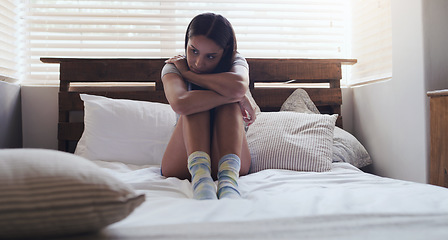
{"x":268,"y":85}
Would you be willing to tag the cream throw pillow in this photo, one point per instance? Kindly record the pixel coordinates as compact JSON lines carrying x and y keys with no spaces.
{"x":346,"y":148}
{"x":291,"y":140}
{"x":47,"y":193}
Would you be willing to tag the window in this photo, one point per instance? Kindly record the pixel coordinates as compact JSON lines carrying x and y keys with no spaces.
{"x":146,"y":29}
{"x":150,"y":29}
{"x":8,"y":45}
{"x":371,"y":41}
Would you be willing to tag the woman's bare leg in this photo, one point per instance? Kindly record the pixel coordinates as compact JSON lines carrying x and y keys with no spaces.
{"x":197,"y":132}
{"x":197,"y":142}
{"x":192,"y":133}
{"x":174,"y":161}
{"x":229,"y":137}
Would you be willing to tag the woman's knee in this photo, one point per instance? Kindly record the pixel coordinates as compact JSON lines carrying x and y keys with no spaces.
{"x":197,"y":121}
{"x":230,"y":109}
{"x":200,"y":116}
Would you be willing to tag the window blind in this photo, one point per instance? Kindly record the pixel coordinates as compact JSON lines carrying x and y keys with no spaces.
{"x":8,"y":37}
{"x":372,"y":41}
{"x":146,"y":29}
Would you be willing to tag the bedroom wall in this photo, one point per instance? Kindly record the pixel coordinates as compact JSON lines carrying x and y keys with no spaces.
{"x":40,"y":116}
{"x":392,"y":118}
{"x":435,"y":18}
{"x":10,"y":116}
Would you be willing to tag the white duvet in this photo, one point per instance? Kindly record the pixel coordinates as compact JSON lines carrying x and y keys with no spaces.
{"x":344,"y":203}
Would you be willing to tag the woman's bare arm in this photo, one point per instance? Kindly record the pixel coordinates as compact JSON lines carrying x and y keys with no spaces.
{"x":249,"y":108}
{"x":186,"y":102}
{"x":233,"y":84}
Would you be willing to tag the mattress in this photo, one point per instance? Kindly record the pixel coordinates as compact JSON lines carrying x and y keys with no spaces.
{"x":341,"y":203}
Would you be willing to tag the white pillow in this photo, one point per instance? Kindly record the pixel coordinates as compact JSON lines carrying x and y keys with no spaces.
{"x":127,"y":131}
{"x":47,"y":193}
{"x":346,"y":148}
{"x":291,"y":140}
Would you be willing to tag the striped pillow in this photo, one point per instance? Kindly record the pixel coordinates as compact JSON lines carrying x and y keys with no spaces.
{"x":291,"y":140}
{"x":46,"y":193}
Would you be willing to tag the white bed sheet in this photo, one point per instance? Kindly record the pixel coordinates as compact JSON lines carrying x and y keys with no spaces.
{"x":276,"y":204}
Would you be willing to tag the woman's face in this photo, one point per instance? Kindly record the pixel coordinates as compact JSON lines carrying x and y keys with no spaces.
{"x":203,"y":54}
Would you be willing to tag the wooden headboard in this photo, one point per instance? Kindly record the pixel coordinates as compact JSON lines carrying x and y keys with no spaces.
{"x":271,"y":82}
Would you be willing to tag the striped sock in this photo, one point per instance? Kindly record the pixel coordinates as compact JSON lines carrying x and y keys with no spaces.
{"x":201,"y":180}
{"x":228,"y":173}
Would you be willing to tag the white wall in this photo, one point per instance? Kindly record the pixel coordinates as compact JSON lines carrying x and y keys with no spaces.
{"x":347,"y":109}
{"x":40,"y":116}
{"x":391,"y":118}
{"x":435,"y":19}
{"x":10,"y":116}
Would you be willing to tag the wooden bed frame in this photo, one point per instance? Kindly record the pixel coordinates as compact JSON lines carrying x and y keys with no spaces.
{"x":271,"y":82}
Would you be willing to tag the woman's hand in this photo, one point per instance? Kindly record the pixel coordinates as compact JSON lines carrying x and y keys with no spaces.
{"x":248,"y":109}
{"x":180,"y":61}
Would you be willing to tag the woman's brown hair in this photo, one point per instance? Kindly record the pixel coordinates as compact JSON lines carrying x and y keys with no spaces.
{"x":218,"y":29}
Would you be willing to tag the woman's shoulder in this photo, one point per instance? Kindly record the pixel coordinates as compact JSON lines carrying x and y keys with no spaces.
{"x":170,"y":68}
{"x":240,"y":60}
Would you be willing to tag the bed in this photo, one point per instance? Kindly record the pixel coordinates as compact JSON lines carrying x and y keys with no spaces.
{"x":303,"y":184}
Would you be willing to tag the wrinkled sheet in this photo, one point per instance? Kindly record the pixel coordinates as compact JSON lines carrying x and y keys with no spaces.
{"x":280,"y":204}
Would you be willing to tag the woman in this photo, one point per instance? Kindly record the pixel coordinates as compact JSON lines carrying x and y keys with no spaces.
{"x":208,"y":88}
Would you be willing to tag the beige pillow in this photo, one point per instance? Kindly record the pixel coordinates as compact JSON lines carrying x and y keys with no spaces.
{"x":346,"y":148}
{"x":47,"y":193}
{"x":299,"y":101}
{"x":291,"y":140}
